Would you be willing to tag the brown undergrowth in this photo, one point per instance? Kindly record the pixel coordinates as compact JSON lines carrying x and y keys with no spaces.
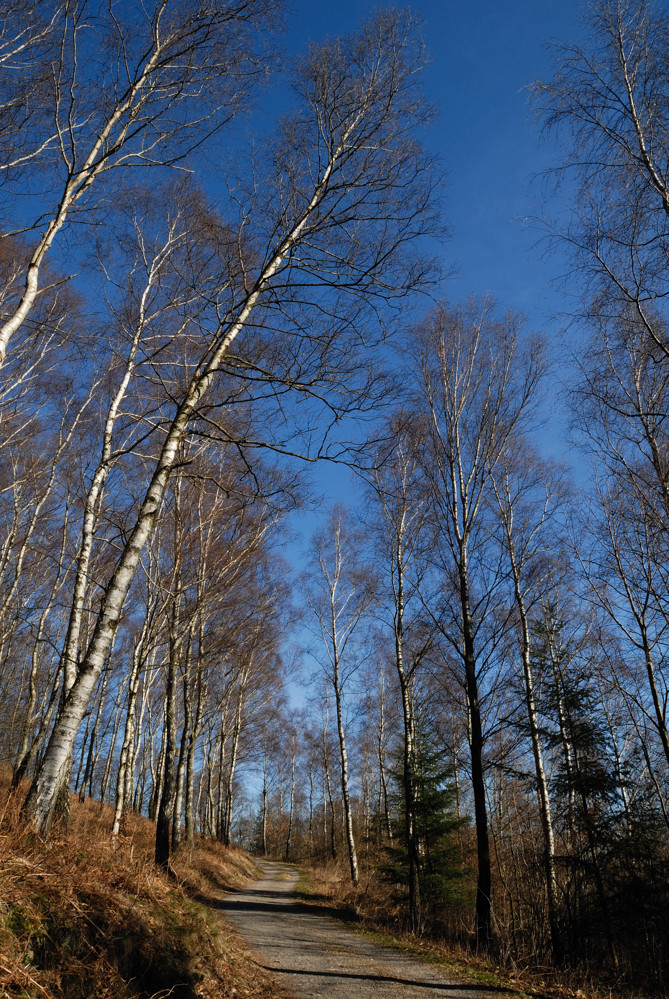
{"x":371,"y":908}
{"x":81,"y":918}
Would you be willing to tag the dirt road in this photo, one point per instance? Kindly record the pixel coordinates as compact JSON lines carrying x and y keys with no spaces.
{"x":313,"y":955}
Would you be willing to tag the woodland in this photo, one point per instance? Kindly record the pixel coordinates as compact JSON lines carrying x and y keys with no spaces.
{"x":460,"y":696}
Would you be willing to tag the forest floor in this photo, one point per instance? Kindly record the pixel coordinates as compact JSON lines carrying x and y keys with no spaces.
{"x":313,"y":954}
{"x":371,"y":911}
{"x":82,"y":918}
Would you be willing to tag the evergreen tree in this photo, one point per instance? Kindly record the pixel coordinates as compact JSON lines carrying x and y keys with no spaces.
{"x":615,"y":887}
{"x":440,"y":866}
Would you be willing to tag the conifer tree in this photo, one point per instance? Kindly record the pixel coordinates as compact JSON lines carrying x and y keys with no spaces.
{"x":440,"y":865}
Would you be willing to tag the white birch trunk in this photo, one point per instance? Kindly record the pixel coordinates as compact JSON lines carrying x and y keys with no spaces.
{"x":52,"y":773}
{"x":348,"y":815}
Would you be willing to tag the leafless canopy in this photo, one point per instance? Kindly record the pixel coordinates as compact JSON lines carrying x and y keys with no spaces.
{"x":610,"y":102}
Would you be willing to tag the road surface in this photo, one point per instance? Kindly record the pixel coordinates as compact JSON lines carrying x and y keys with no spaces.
{"x":313,"y":955}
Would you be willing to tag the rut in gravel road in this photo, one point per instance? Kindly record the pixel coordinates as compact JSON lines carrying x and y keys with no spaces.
{"x":313,"y":955}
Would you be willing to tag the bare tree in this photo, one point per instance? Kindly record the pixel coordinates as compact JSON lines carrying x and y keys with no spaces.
{"x":476,"y":384}
{"x":349,"y":184}
{"x":622,"y":404}
{"x":338,"y":592}
{"x":166,"y":76}
{"x":28,"y":43}
{"x":292,"y":749}
{"x":609,"y":102}
{"x":528,"y":498}
{"x":626,"y":567}
{"x":399,"y":497}
{"x":141,"y":655}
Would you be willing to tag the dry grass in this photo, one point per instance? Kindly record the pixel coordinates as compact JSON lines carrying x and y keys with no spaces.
{"x":373,"y":910}
{"x":83,"y":919}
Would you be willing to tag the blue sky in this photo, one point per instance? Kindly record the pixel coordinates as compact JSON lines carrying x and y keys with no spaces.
{"x":483,"y":56}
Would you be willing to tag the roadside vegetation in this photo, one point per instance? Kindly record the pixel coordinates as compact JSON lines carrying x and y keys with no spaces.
{"x":196,"y":304}
{"x":81,"y":918}
{"x":368,"y":909}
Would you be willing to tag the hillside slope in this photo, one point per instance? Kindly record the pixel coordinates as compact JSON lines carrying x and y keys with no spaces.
{"x":83,"y":919}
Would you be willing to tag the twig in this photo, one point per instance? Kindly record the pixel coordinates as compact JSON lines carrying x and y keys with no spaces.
{"x":19,"y":969}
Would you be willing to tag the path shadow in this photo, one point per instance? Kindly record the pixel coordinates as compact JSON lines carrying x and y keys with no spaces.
{"x":265,"y":892}
{"x":463,"y":988}
{"x":268,"y":902}
{"x":281,"y":905}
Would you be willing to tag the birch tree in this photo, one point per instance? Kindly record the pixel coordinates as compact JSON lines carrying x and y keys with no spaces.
{"x":399,"y":495}
{"x":346,"y":181}
{"x":137,"y":88}
{"x":608,"y":101}
{"x":28,"y":32}
{"x":338,"y":592}
{"x":475,"y":385}
{"x":622,"y":402}
{"x":527,"y":496}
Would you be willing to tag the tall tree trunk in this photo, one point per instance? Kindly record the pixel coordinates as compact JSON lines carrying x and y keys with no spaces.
{"x":220,"y":795}
{"x":310,"y":831}
{"x":190,"y":762}
{"x":289,"y":834}
{"x":565,"y":741}
{"x":124,"y":775}
{"x":409,"y":756}
{"x":483,"y":917}
{"x":348,"y":814}
{"x":186,"y":738}
{"x":25,"y":746}
{"x":539,"y":769}
{"x":158,"y":778}
{"x":106,"y":776}
{"x":166,"y":804}
{"x":85,"y":756}
{"x":383,"y":778}
{"x":521,"y":560}
{"x":234,"y":749}
{"x":263,"y":829}
{"x":93,"y":756}
{"x":328,"y":787}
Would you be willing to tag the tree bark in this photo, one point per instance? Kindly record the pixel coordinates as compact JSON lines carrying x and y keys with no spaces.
{"x":348,"y":814}
{"x":483,"y":917}
{"x":166,"y":804}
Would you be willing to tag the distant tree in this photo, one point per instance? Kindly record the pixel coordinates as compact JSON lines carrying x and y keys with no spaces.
{"x":338,"y":590}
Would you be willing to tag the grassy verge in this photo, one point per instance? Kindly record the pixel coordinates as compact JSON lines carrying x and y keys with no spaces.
{"x":323,"y":887}
{"x":369,"y":910}
{"x":81,"y":918}
{"x":470,"y":971}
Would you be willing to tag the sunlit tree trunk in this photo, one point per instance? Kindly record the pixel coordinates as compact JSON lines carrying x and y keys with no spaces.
{"x":291,"y":806}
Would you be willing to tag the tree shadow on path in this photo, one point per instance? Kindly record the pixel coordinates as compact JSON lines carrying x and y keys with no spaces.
{"x":269,"y":902}
{"x":459,"y":987}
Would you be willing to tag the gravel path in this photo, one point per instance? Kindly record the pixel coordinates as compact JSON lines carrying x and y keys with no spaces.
{"x":313,"y":955}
